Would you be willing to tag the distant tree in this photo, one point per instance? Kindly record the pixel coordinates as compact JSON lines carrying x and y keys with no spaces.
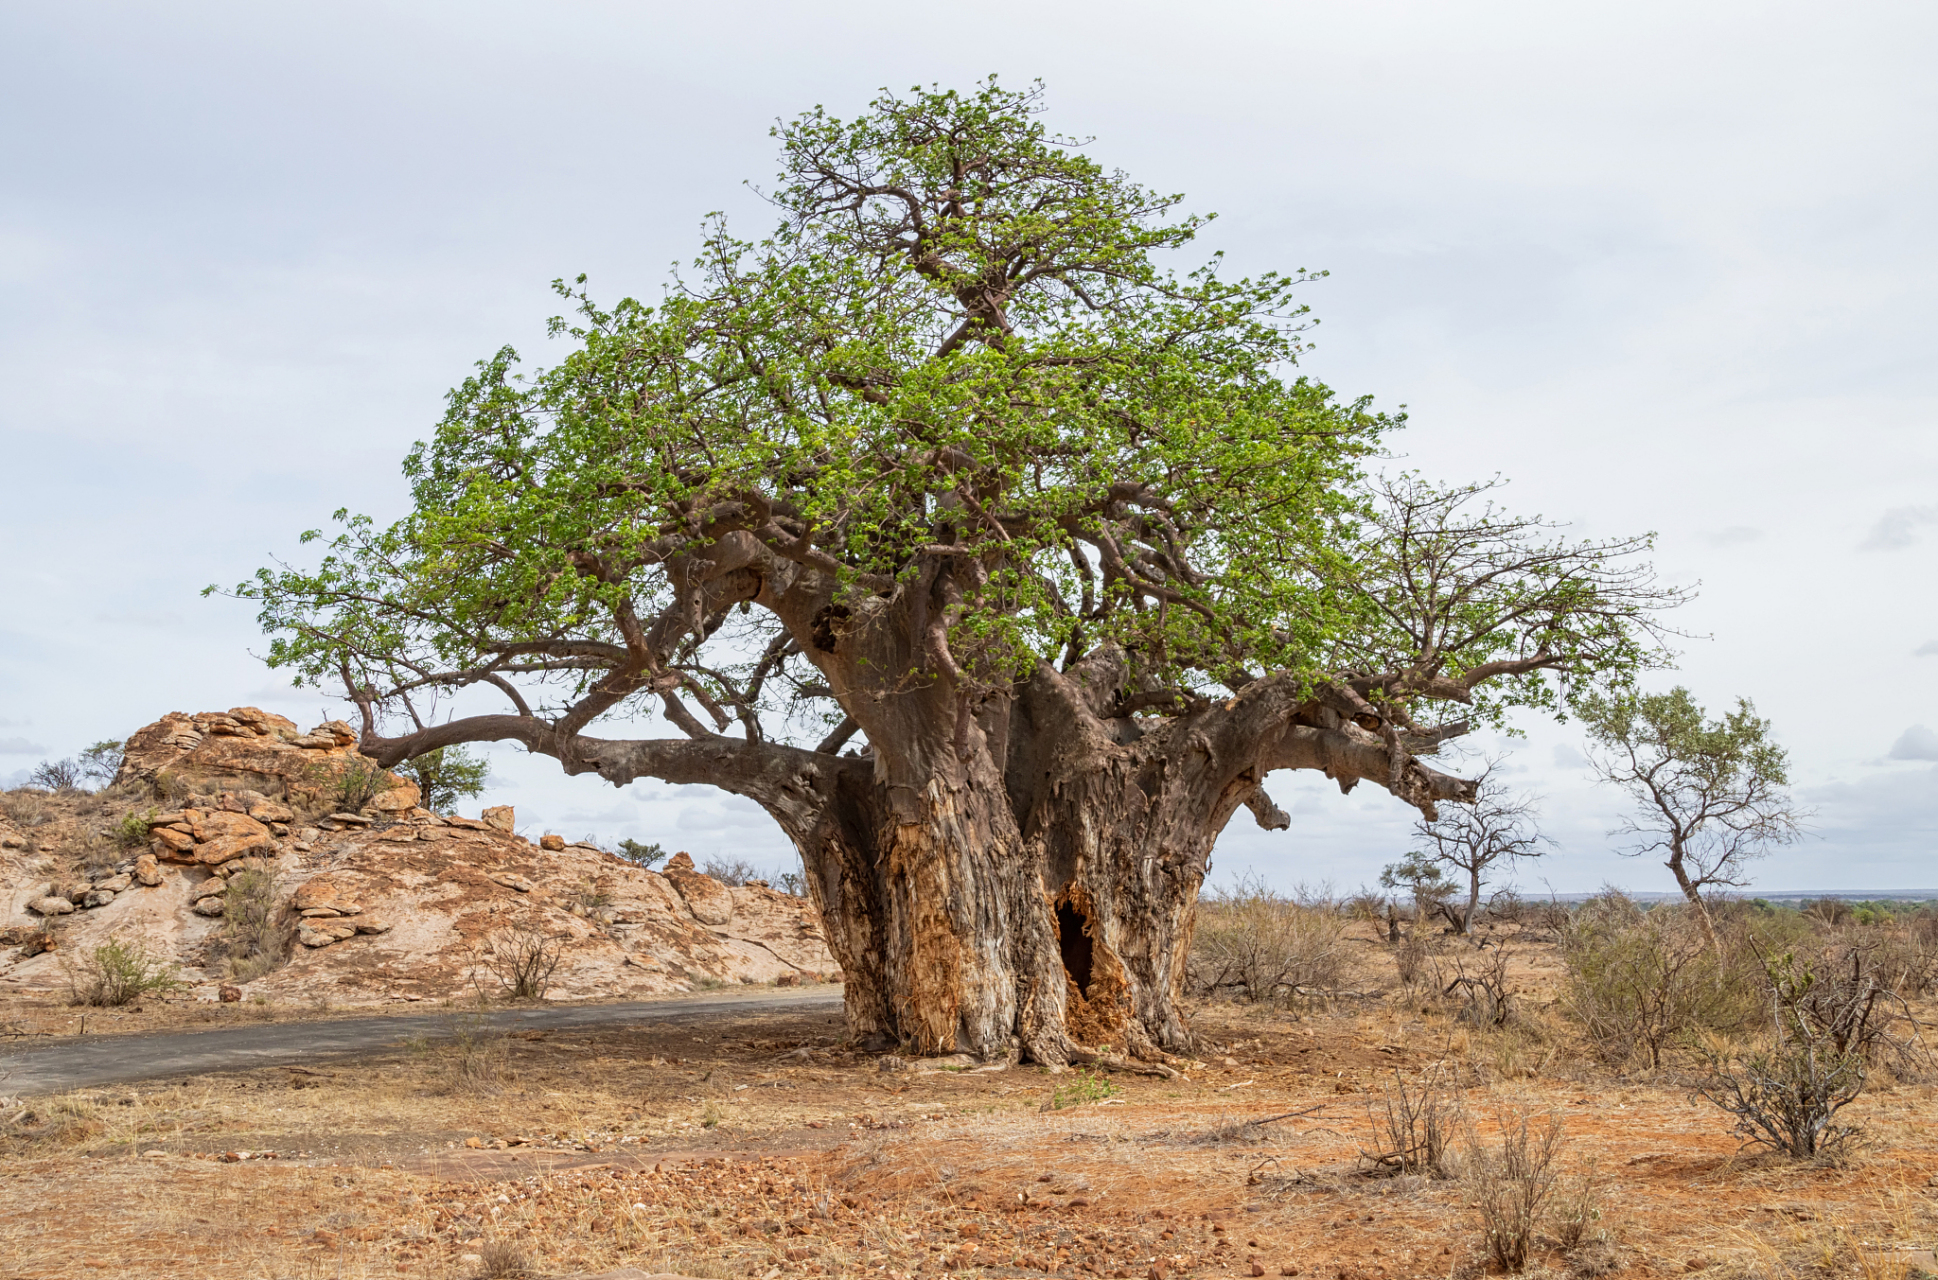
{"x":642,"y":855}
{"x":1709,"y":794}
{"x":734,"y":871}
{"x":1423,"y":880}
{"x":101,"y":762}
{"x":446,"y":776}
{"x":56,"y":775}
{"x":1470,"y":840}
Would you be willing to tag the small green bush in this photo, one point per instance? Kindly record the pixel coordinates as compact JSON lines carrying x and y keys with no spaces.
{"x":132,"y":831}
{"x":117,"y":973}
{"x":1638,"y":983}
{"x":1084,"y":1086}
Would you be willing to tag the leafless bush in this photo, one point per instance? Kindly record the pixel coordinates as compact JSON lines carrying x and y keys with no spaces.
{"x":523,"y":958}
{"x":1413,"y":962}
{"x":1255,"y":942}
{"x":1785,"y":1095}
{"x":1511,"y":1185}
{"x":57,"y":775}
{"x":473,"y":1053}
{"x":1638,"y":981}
{"x":1483,"y":989}
{"x":1577,"y":1212}
{"x":736,"y":871}
{"x":1412,"y":1128}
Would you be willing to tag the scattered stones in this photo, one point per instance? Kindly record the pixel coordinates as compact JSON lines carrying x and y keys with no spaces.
{"x":551,"y":843}
{"x":115,"y":884}
{"x":50,"y":906}
{"x":229,"y":993}
{"x":518,"y":884}
{"x":349,"y":819}
{"x":170,"y":842}
{"x":498,"y":817}
{"x":98,"y":898}
{"x":210,"y":906}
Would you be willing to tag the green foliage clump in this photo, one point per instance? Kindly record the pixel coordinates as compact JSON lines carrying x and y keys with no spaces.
{"x":118,"y":973}
{"x":131,"y":832}
{"x":1082,"y":1087}
{"x":446,"y":776}
{"x":641,"y":854}
{"x":1639,"y":983}
{"x":252,"y":937}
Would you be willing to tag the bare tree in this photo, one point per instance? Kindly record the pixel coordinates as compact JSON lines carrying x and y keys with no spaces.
{"x":1498,"y":827}
{"x":1710,"y":795}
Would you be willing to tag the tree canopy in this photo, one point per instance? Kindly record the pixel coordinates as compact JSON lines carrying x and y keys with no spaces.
{"x":961,"y":382}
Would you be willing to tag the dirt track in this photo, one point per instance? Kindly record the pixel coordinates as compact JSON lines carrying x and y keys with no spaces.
{"x":86,"y":1061}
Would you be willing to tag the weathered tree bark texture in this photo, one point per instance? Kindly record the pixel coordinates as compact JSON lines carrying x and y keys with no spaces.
{"x":1006,"y":869}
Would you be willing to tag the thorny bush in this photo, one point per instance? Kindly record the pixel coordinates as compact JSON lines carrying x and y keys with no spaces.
{"x":1259,"y":944}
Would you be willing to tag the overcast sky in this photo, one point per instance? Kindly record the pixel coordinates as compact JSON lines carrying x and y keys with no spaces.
{"x":1665,"y":266}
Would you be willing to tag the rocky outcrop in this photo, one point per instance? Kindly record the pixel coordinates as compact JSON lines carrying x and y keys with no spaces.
{"x":387,"y":904}
{"x":245,"y":748}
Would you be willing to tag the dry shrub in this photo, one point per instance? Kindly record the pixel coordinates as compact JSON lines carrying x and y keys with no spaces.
{"x":1577,"y":1212}
{"x":27,"y":808}
{"x":503,"y":1260}
{"x":730,"y":871}
{"x":1255,"y":942}
{"x":117,"y":973}
{"x":473,"y":1054}
{"x":1511,"y":1186}
{"x":252,"y":940}
{"x":1639,"y":982}
{"x":1412,"y":1128}
{"x":1786,"y":1093}
{"x":523,"y":958}
{"x":1482,"y":989}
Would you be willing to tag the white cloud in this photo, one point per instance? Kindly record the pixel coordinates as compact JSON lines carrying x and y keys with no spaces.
{"x":1568,"y":757}
{"x":1896,"y":528}
{"x":20,"y":747}
{"x":1734,"y":536}
{"x":1929,"y":649}
{"x":1915,"y":743}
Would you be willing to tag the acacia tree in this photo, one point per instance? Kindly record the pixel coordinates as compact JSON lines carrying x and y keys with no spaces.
{"x":1497,"y":826}
{"x":1710,"y":795}
{"x":997,"y":562}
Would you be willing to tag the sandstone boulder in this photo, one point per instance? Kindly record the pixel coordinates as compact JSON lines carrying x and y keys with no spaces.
{"x":210,"y":906}
{"x":322,"y":897}
{"x":551,"y":843}
{"x":499,"y":817}
{"x":50,"y":906}
{"x":227,"y":848}
{"x":710,"y":901}
{"x":147,"y":870}
{"x":115,"y":884}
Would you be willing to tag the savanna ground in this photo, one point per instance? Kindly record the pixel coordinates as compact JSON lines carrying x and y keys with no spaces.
{"x":765,"y":1147}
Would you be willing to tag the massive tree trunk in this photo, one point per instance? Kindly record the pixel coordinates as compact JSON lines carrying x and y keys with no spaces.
{"x":1029,"y":888}
{"x":1007,"y":868}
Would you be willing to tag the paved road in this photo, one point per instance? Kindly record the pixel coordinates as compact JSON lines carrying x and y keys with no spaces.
{"x":87,"y":1061}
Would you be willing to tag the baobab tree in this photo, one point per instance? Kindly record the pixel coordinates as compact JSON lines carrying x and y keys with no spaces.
{"x":999,"y":563}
